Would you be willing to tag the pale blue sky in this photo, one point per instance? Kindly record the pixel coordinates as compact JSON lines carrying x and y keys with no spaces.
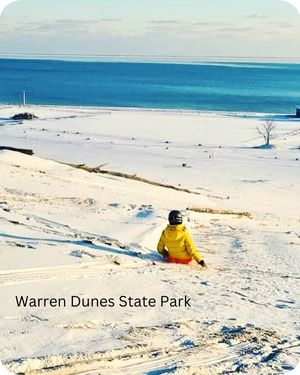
{"x":267,"y":28}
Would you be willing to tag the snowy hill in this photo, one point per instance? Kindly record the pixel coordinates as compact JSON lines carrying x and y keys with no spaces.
{"x":75,"y":242}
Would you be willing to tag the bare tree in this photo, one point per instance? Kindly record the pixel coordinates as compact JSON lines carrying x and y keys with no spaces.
{"x":266,"y":130}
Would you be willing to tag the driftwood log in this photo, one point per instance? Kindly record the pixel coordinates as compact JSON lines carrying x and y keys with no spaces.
{"x":24,"y":116}
{"x":98,"y":169}
{"x":22,"y":150}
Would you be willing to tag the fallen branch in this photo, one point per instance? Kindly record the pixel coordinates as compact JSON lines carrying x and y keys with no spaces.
{"x":99,"y":169}
{"x":220,"y":212}
{"x":22,"y":150}
{"x":86,"y":168}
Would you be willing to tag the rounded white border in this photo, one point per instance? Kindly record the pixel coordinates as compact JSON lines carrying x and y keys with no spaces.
{"x":3,"y":5}
{"x":4,"y":371}
{"x":295,"y":3}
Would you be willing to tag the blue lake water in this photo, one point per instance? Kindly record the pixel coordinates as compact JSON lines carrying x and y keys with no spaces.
{"x":245,"y":87}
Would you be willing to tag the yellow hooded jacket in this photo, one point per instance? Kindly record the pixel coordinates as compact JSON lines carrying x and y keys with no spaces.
{"x":178,"y":242}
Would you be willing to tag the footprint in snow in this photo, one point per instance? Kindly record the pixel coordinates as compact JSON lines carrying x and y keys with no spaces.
{"x":81,"y":254}
{"x":281,"y":306}
{"x":34,"y":318}
{"x":144,"y":212}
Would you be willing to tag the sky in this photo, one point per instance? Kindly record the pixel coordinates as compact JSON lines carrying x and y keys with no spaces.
{"x":152,"y":28}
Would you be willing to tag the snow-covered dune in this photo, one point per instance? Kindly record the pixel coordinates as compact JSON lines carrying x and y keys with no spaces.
{"x":86,"y":239}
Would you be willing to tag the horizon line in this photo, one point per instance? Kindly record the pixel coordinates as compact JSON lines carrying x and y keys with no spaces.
{"x":149,"y":56}
{"x":185,"y":58}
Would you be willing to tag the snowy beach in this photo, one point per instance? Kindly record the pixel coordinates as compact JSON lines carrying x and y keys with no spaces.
{"x":80,"y":241}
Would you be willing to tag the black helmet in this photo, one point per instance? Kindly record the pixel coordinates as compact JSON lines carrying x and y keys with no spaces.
{"x":175,"y":217}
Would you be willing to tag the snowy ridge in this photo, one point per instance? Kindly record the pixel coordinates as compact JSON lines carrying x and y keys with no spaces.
{"x":67,"y":232}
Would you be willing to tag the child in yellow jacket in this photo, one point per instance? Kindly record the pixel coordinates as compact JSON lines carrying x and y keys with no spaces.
{"x":176,"y":244}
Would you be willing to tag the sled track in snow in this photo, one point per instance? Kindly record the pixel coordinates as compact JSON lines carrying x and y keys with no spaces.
{"x":65,"y":272}
{"x":195,"y":348}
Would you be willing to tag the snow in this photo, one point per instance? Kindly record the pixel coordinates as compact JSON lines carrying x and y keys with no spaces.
{"x":67,"y":232}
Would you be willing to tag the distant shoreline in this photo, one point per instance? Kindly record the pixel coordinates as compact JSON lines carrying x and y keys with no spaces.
{"x":141,"y":109}
{"x":166,"y":111}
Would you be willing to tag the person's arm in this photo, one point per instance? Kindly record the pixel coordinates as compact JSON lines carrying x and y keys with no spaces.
{"x":192,"y":250}
{"x":161,"y":245}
